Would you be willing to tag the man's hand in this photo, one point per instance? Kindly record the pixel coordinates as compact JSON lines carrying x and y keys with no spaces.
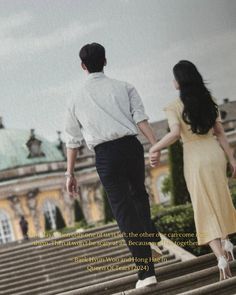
{"x":154,"y":158}
{"x":71,"y":186}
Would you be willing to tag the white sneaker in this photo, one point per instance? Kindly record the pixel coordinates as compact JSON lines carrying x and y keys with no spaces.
{"x":146,"y":282}
{"x":156,"y":251}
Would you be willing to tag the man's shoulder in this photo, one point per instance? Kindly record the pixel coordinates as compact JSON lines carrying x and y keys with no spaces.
{"x":121,"y":83}
{"x":78,"y":94}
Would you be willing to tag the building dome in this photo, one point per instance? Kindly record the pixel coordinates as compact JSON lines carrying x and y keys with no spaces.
{"x":14,"y":151}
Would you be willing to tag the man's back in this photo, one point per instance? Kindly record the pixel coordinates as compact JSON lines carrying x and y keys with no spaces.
{"x":104,"y":109}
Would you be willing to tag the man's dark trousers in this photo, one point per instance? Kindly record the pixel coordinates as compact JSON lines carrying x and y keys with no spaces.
{"x":121,"y":168}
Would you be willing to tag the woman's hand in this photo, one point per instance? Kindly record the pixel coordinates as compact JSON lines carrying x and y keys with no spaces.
{"x":71,"y":186}
{"x":233,"y":167}
{"x":154,"y":157}
{"x":167,"y":140}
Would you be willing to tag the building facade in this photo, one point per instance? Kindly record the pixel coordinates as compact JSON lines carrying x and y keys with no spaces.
{"x":32,"y":181}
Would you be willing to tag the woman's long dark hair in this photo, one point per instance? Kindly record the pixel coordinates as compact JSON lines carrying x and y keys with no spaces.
{"x":200,"y":111}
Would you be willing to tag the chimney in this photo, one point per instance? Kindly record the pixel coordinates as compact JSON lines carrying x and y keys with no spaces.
{"x":226,"y":100}
{"x":59,"y":135}
{"x":32,"y":135}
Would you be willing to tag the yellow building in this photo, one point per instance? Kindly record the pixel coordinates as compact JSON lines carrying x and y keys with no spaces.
{"x":32,"y":184}
{"x":32,"y":180}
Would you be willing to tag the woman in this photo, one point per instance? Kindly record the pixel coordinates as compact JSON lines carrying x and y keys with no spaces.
{"x":194,"y":117}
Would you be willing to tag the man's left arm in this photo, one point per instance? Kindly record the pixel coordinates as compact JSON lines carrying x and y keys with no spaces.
{"x":138,"y":113}
{"x":140,"y":117}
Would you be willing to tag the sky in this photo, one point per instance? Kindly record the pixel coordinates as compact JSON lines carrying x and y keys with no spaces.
{"x":40,"y":40}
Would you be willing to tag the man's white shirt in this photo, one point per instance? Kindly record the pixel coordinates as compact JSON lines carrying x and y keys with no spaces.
{"x":104,"y":109}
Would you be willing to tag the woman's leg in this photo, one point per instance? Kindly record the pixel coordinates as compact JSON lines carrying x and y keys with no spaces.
{"x":228,"y":248}
{"x":217,"y":249}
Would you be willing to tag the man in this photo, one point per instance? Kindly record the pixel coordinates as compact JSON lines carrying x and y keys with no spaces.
{"x":106,"y":113}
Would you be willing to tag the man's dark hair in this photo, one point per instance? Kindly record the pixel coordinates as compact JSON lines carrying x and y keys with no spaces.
{"x":93,"y":56}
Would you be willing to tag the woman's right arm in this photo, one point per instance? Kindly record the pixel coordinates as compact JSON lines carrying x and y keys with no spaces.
{"x":220,"y":134}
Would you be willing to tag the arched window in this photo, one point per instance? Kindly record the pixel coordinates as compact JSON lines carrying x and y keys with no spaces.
{"x":49,"y":209}
{"x":163,"y":197}
{"x":6,"y":232}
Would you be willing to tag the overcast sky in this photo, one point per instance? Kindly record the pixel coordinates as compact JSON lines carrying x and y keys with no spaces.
{"x":39,"y":43}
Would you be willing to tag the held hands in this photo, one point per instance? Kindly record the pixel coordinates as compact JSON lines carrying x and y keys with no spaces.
{"x":154,"y":157}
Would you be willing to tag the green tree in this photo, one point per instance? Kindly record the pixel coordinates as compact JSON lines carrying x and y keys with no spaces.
{"x":166,"y":185}
{"x":179,"y":191}
{"x":60,"y":223}
{"x":108,"y":215}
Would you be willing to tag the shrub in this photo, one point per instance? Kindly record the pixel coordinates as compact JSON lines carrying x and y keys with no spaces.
{"x":173,"y":221}
{"x":179,"y":191}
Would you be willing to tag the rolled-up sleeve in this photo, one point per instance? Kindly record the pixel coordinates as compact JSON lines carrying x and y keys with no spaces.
{"x":73,"y":134}
{"x":136,"y":105}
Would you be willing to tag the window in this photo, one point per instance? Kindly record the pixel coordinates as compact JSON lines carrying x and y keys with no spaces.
{"x":6,"y":232}
{"x":34,"y":146}
{"x":49,"y":209}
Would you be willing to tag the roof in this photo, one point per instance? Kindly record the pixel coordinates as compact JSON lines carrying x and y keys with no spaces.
{"x":14,"y":152}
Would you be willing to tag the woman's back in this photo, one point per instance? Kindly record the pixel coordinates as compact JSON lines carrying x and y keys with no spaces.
{"x":204,"y":154}
{"x":174,"y":115}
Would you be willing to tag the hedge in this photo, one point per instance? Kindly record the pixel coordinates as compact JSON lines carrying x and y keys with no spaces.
{"x":177,"y":223}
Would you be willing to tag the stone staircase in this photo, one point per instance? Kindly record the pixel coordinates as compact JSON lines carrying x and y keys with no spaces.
{"x":47,"y":269}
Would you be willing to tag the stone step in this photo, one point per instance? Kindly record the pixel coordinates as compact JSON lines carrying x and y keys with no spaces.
{"x":26,"y":269}
{"x":226,"y":287}
{"x":58,"y":285}
{"x":65,"y":257}
{"x":36,"y":270}
{"x":39,"y":259}
{"x":29,"y":246}
{"x":53,"y":270}
{"x":48,"y":259}
{"x":165,"y":273}
{"x":56,"y":250}
{"x":48,"y":267}
{"x":171,"y":273}
{"x":179,"y":285}
{"x":42,"y":250}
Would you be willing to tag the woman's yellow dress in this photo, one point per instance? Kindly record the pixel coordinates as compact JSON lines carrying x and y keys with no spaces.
{"x":205,"y":174}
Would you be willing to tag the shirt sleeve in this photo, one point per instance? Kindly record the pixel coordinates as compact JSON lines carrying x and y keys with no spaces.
{"x":73,"y":134}
{"x":172,"y":116}
{"x":136,"y":105}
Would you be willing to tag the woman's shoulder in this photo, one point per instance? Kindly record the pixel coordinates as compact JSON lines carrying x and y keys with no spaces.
{"x":174,"y":104}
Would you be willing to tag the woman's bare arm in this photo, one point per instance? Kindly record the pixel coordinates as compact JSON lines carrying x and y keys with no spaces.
{"x":166,"y":141}
{"x":220,"y":134}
